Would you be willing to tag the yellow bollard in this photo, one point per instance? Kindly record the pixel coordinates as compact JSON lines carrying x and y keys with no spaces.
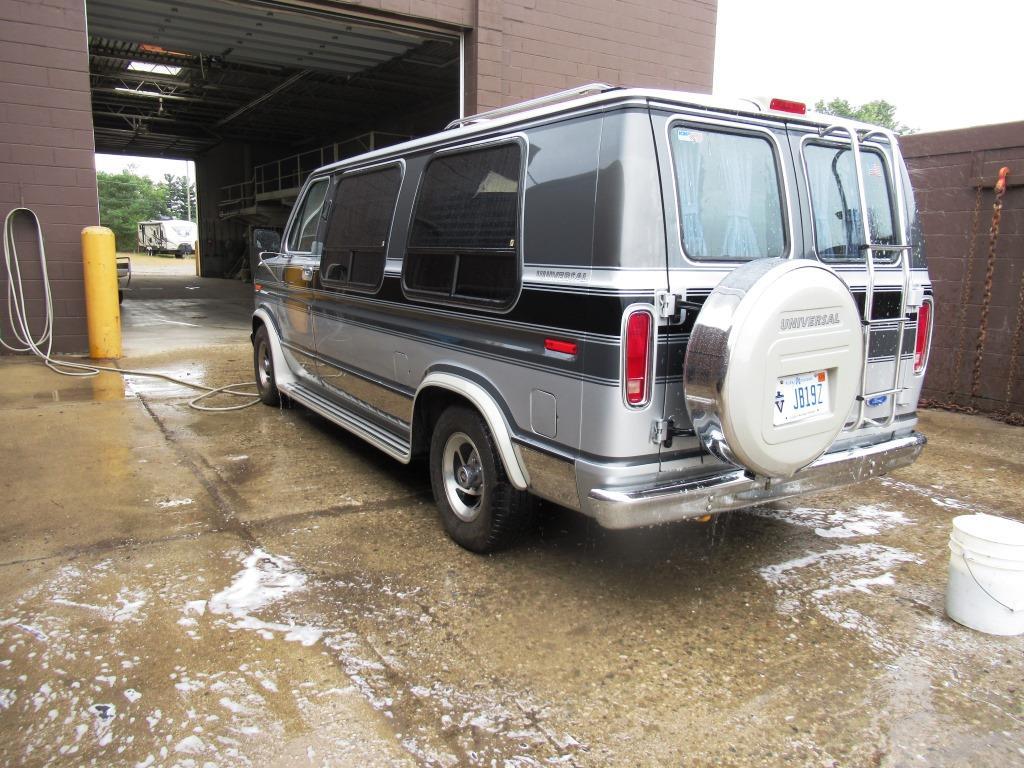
{"x":199,"y":269}
{"x":103,"y":316}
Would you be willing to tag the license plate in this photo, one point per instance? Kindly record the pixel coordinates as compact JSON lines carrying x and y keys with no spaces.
{"x":800,"y":397}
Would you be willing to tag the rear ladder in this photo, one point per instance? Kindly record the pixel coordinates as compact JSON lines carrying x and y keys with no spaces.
{"x":902,"y":249}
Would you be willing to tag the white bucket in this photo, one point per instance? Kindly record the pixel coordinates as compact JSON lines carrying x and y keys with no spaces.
{"x":986,"y":574}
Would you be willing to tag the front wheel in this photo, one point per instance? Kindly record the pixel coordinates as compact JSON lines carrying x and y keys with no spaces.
{"x":480,"y":509}
{"x":263,"y":364}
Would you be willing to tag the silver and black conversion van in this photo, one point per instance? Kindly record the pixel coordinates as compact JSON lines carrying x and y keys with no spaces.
{"x":642,"y":305}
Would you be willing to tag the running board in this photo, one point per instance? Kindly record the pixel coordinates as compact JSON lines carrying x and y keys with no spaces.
{"x":386,"y":441}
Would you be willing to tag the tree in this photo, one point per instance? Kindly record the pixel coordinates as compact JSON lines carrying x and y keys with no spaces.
{"x":878,"y":112}
{"x":177,"y":203}
{"x":125,"y":200}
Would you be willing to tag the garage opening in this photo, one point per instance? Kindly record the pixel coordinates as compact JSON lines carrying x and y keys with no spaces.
{"x":258,"y":93}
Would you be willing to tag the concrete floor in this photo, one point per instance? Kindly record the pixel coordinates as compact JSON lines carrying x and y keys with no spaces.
{"x":167,"y":307}
{"x":260,"y":588}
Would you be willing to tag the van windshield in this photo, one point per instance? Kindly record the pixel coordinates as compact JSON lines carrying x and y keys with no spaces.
{"x":729,"y":195}
{"x":835,"y":203}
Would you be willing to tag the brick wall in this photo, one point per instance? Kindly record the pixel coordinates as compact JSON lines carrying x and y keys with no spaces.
{"x":521,"y":49}
{"x":947,"y":169}
{"x":46,"y":151}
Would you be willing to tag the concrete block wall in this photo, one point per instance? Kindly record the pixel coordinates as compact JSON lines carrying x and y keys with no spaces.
{"x":948,"y":169}
{"x":46,"y":152}
{"x":527,"y":48}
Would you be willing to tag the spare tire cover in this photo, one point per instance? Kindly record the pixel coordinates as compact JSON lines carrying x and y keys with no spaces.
{"x":767,"y":320}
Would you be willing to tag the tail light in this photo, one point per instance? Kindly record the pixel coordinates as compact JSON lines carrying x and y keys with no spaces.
{"x":638,"y":356}
{"x":924,"y":336}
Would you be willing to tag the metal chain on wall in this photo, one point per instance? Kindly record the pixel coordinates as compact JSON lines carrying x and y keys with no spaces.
{"x":990,"y":269}
{"x":952,"y":400}
{"x":1015,"y":351}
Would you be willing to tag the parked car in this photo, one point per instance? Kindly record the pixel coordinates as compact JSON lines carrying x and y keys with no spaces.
{"x":124,"y":276}
{"x":643,"y":305}
{"x":174,"y":236}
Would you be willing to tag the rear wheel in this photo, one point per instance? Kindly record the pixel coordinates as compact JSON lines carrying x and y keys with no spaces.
{"x":263,"y":364}
{"x":480,"y":509}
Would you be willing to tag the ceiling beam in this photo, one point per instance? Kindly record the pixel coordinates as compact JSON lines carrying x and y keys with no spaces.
{"x":279,"y":88}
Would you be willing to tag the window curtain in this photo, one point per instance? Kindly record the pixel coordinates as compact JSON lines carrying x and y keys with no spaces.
{"x":825,"y":203}
{"x":690,"y":164}
{"x":740,"y":239}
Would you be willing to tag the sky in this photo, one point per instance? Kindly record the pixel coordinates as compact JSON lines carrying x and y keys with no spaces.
{"x":154,"y":167}
{"x":943,"y":63}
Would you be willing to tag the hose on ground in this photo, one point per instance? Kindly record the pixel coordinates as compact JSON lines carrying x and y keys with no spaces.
{"x":41,"y":344}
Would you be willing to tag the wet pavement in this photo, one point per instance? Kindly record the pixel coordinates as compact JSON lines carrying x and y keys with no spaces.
{"x":167,"y":307}
{"x":260,"y":588}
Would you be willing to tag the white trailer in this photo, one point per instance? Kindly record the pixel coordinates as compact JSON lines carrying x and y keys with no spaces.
{"x":168,"y":236}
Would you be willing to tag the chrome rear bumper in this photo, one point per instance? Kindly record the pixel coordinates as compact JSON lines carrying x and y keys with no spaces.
{"x":678,"y":500}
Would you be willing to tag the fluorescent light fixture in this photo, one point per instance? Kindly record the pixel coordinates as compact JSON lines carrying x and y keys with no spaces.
{"x":156,"y":69}
{"x":154,"y":94}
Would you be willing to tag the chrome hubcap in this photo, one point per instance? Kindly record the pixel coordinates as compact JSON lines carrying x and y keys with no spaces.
{"x":265,"y":366}
{"x":463,"y":476}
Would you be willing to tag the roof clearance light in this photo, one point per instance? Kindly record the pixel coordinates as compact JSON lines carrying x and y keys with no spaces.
{"x":785,"y":105}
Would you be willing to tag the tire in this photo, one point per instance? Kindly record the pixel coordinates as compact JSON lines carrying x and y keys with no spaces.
{"x":480,"y":509}
{"x":263,"y":367}
{"x":770,"y":328}
{"x":120,"y":296}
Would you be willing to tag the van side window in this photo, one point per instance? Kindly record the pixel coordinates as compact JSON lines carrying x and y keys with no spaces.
{"x":835,"y":203}
{"x":464,"y":241}
{"x":729,"y":195}
{"x":304,"y":225}
{"x":358,"y":229}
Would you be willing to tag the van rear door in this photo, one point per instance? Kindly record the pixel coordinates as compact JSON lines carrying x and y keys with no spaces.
{"x":729,"y":196}
{"x":888,"y":294}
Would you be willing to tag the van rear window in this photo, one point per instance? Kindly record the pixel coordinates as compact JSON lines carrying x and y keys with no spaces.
{"x":464,"y":239}
{"x":835,"y":203}
{"x":729,"y":195}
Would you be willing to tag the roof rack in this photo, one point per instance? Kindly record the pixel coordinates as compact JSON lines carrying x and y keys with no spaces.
{"x":551,"y":98}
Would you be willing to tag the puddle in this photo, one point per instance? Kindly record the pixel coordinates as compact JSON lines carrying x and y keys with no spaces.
{"x":933,"y":493}
{"x":831,"y":523}
{"x":438,"y":722}
{"x":152,"y":386}
{"x":824,"y":581}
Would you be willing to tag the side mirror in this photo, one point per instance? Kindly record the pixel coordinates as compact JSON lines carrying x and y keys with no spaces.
{"x":266,"y":240}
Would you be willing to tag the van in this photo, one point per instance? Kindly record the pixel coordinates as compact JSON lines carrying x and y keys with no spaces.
{"x":643,"y":305}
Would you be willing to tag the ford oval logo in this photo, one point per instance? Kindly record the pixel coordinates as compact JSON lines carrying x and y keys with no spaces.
{"x":878,"y":400}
